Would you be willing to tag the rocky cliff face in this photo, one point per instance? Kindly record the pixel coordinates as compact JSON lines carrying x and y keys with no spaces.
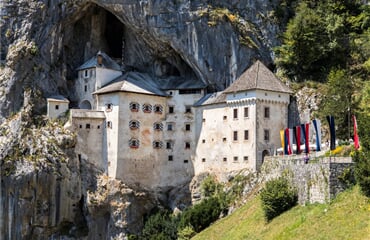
{"x":45,"y":192}
{"x":214,"y":41}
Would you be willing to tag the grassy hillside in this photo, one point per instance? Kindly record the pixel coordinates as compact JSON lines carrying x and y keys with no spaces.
{"x":347,"y":217}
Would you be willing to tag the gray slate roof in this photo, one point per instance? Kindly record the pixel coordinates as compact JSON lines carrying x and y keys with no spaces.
{"x":143,"y":83}
{"x":258,"y":76}
{"x":211,"y":98}
{"x":107,"y":62}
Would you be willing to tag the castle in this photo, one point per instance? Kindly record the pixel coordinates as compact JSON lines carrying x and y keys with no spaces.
{"x":161,"y":132}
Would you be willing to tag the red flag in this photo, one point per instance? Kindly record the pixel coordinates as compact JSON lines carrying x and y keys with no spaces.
{"x":355,"y":135}
{"x":288,"y":142}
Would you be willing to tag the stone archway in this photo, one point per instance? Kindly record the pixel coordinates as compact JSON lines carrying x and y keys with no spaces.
{"x":85,"y":104}
{"x":264,"y":154}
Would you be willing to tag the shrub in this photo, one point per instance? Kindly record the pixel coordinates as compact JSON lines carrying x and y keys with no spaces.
{"x":362,"y":170}
{"x":277,"y":197}
{"x":161,"y":225}
{"x":201,"y":215}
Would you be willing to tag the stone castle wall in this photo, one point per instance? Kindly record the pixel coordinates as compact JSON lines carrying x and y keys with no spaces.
{"x":317,"y":181}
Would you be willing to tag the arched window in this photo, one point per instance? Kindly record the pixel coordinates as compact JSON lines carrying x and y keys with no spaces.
{"x":134,"y":124}
{"x":134,"y":106}
{"x":134,"y":143}
{"x":158,"y":126}
{"x":157,"y":144}
{"x":147,"y":108}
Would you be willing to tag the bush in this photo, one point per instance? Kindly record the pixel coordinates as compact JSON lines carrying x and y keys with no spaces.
{"x":161,"y":225}
{"x":277,"y":197}
{"x":201,"y":215}
{"x":362,"y":170}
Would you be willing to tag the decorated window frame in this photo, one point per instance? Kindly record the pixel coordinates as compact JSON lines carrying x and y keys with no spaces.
{"x":134,"y":106}
{"x":147,"y":108}
{"x":158,"y":126}
{"x":157,"y":144}
{"x":158,"y":109}
{"x":134,"y":124}
{"x":134,"y":143}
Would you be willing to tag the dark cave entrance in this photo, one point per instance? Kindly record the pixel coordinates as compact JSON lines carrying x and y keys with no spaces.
{"x":114,"y":36}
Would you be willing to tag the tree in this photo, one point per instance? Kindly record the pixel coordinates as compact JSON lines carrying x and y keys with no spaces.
{"x":277,"y":197}
{"x":338,"y":101}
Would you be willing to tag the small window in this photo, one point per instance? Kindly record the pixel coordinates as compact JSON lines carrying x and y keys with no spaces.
{"x":88,"y":125}
{"x":109,"y":107}
{"x":157,"y":144}
{"x":158,"y":126}
{"x":187,"y":109}
{"x":246,"y":112}
{"x":266,"y":135}
{"x":186,"y":161}
{"x":171,"y":109}
{"x":235,"y":135}
{"x":245,"y":158}
{"x":85,"y":88}
{"x":187,"y":145}
{"x":204,"y":120}
{"x":170,"y":158}
{"x":80,"y":126}
{"x":246,"y":134}
{"x":203,"y":141}
{"x":134,"y":143}
{"x":158,"y":109}
{"x":86,"y":73}
{"x":235,"y":113}
{"x":224,"y":159}
{"x":56,"y":107}
{"x":224,"y":139}
{"x":169,"y":145}
{"x":79,"y":157}
{"x":170,"y":127}
{"x":134,"y":107}
{"x":187,"y":127}
{"x":147,"y":108}
{"x":98,"y":127}
{"x":225,"y":117}
{"x":203,"y":160}
{"x":235,"y":158}
{"x":109,"y":124}
{"x":267,"y":112}
{"x":133,"y":124}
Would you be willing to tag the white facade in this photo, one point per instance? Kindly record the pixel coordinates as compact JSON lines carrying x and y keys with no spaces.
{"x":154,"y":137}
{"x":56,"y":107}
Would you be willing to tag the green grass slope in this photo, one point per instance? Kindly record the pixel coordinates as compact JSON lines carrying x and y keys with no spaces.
{"x":347,"y":217}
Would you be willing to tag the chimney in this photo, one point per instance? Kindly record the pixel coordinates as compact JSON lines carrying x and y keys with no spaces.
{"x":99,"y":58}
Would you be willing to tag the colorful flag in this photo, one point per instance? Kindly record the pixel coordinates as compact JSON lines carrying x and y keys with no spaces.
{"x":291,"y":140}
{"x":317,"y":126}
{"x":307,"y":140}
{"x":298,"y":138}
{"x":332,"y":131}
{"x":355,"y":135}
{"x":303,"y":127}
{"x":287,"y":141}
{"x":282,"y":139}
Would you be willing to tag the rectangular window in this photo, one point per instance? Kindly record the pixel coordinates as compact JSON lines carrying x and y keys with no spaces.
{"x":235,"y":158}
{"x":187,"y":109}
{"x":56,"y":107}
{"x":108,"y":107}
{"x":109,"y":124}
{"x":171,"y":109}
{"x":245,"y":158}
{"x":235,"y":135}
{"x":246,"y":134}
{"x":235,"y":114}
{"x":87,"y":125}
{"x":187,"y":127}
{"x":246,"y":112}
{"x":204,"y":120}
{"x":169,"y":145}
{"x":224,"y":139}
{"x":225,"y":159}
{"x":267,"y":112}
{"x":225,"y":118}
{"x":187,"y":145}
{"x":169,"y":127}
{"x":203,"y":141}
{"x":266,"y":135}
{"x":186,"y":161}
{"x":203,"y":160}
{"x":85,"y":88}
{"x":86,"y":75}
{"x":170,"y":158}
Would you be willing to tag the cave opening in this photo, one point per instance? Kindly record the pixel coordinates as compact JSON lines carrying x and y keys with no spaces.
{"x":114,"y":35}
